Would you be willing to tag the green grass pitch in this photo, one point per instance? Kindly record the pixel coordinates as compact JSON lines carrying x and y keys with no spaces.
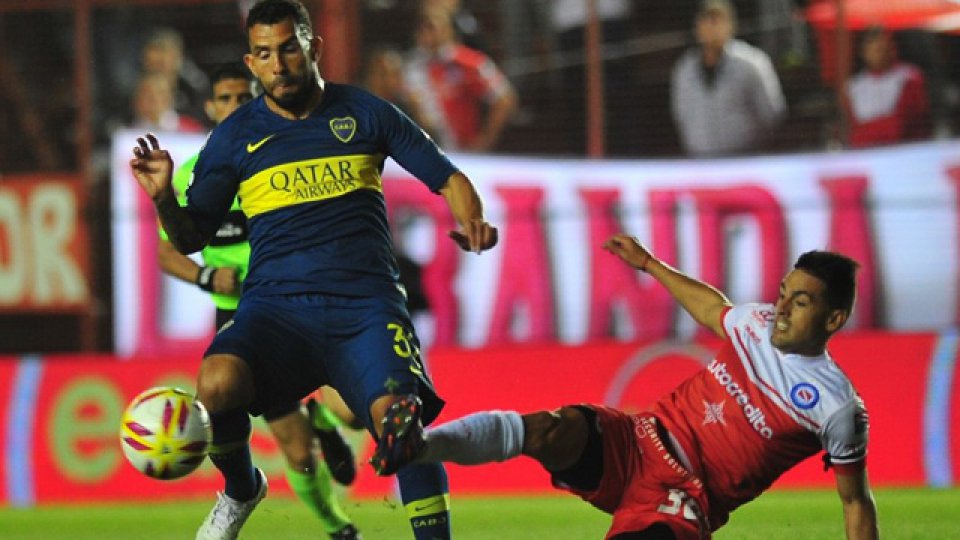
{"x":905,"y":514}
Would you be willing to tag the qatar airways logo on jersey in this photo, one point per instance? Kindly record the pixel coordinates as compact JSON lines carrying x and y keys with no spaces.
{"x":315,"y":180}
{"x":753,"y":414}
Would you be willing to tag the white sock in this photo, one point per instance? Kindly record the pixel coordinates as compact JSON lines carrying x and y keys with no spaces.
{"x":481,"y":437}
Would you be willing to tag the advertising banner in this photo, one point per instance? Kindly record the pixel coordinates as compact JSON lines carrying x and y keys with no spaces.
{"x":44,"y":257}
{"x":60,"y":433}
{"x":736,"y":223}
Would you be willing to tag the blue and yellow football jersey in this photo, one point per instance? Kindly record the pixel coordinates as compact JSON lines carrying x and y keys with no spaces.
{"x":312,"y":192}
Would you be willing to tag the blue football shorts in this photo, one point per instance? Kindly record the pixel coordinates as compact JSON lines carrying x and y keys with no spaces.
{"x":363,"y":347}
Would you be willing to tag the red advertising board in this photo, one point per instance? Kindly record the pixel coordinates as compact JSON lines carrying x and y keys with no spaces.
{"x":60,"y":436}
{"x":43,"y":244}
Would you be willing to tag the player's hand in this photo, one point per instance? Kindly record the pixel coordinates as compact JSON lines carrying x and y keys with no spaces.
{"x":477,"y":236}
{"x":225,"y":280}
{"x":629,"y":249}
{"x":152,"y":167}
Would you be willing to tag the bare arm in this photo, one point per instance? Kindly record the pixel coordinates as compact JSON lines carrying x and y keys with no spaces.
{"x":153,"y":169}
{"x":475,"y":233}
{"x":703,"y":302}
{"x":176,"y":264}
{"x":859,"y":508}
{"x":221,"y":280}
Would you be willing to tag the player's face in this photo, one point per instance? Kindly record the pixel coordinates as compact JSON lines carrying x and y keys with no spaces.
{"x":228,"y":94}
{"x":804,"y":319}
{"x":280,"y":63}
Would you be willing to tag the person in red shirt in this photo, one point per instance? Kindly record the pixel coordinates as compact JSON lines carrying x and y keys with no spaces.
{"x":886,"y":102}
{"x":464,"y":97}
{"x":771,"y":397}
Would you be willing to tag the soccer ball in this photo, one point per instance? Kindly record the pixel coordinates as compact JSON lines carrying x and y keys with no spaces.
{"x":165,"y":433}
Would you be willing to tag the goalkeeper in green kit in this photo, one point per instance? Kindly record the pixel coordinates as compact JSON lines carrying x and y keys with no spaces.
{"x":225,"y":262}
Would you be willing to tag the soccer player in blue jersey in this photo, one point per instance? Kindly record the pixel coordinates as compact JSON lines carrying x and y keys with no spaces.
{"x":225,"y":263}
{"x":321,"y":303}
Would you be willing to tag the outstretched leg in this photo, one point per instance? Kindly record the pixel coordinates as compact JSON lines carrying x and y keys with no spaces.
{"x":554,"y":438}
{"x":423,"y":486}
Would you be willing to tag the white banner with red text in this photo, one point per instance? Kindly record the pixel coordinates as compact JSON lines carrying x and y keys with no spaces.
{"x":735,"y":223}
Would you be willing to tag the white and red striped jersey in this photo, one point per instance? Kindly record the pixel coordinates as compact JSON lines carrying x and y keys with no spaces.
{"x":888,"y":106}
{"x":755,"y":412}
{"x":453,"y":88}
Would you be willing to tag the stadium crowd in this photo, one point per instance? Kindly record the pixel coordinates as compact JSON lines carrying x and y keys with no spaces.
{"x":532,"y":85}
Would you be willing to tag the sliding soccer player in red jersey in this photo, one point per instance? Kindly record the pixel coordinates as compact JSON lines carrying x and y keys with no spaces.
{"x":771,"y":397}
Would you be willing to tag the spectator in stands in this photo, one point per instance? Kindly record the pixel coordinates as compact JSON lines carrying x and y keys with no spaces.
{"x":886,"y":102}
{"x":163,"y":53}
{"x":153,"y":109}
{"x":725,"y":95}
{"x":383,"y":77}
{"x":465,"y":23}
{"x":465,"y":97}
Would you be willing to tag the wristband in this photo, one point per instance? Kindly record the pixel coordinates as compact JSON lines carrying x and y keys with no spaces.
{"x":646,"y":261}
{"x":205,"y":277}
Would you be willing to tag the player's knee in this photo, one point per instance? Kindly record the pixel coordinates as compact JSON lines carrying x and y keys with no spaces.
{"x":299,"y":456}
{"x":554,"y":438}
{"x":224,"y":382}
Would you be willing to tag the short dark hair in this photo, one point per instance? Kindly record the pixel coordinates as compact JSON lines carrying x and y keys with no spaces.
{"x":230,"y":71}
{"x":838,"y":272}
{"x":275,"y":11}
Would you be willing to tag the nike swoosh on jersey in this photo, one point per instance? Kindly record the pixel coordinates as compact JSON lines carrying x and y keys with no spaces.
{"x":252,"y":147}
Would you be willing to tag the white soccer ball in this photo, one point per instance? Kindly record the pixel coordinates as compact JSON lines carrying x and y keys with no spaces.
{"x":165,"y":433}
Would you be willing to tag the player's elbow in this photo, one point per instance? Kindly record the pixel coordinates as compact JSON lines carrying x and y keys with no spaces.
{"x":711,"y":316}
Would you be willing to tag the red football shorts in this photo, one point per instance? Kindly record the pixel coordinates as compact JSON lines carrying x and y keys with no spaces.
{"x":642,"y":482}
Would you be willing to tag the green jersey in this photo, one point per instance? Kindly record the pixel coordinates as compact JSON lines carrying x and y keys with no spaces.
{"x":229,"y":248}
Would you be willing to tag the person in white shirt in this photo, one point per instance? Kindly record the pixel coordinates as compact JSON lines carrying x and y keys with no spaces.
{"x":725,"y":95}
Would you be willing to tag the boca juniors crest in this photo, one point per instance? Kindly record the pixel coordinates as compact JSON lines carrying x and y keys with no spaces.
{"x":343,"y":128}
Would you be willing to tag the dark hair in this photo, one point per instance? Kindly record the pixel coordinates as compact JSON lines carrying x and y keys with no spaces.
{"x":838,"y":272}
{"x":231,"y":70}
{"x":275,"y":11}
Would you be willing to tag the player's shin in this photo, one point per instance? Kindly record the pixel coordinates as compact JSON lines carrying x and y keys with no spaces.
{"x":230,"y":453}
{"x":315,"y":490}
{"x":426,"y":498}
{"x":477,"y":438}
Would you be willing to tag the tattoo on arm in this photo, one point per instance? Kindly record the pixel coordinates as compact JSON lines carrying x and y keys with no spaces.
{"x":181,"y":230}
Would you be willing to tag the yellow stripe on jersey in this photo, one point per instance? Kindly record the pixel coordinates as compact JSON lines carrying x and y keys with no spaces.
{"x":309,"y":181}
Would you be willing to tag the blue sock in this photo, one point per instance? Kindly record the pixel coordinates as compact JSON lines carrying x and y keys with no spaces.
{"x":230,"y":453}
{"x":426,"y":498}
